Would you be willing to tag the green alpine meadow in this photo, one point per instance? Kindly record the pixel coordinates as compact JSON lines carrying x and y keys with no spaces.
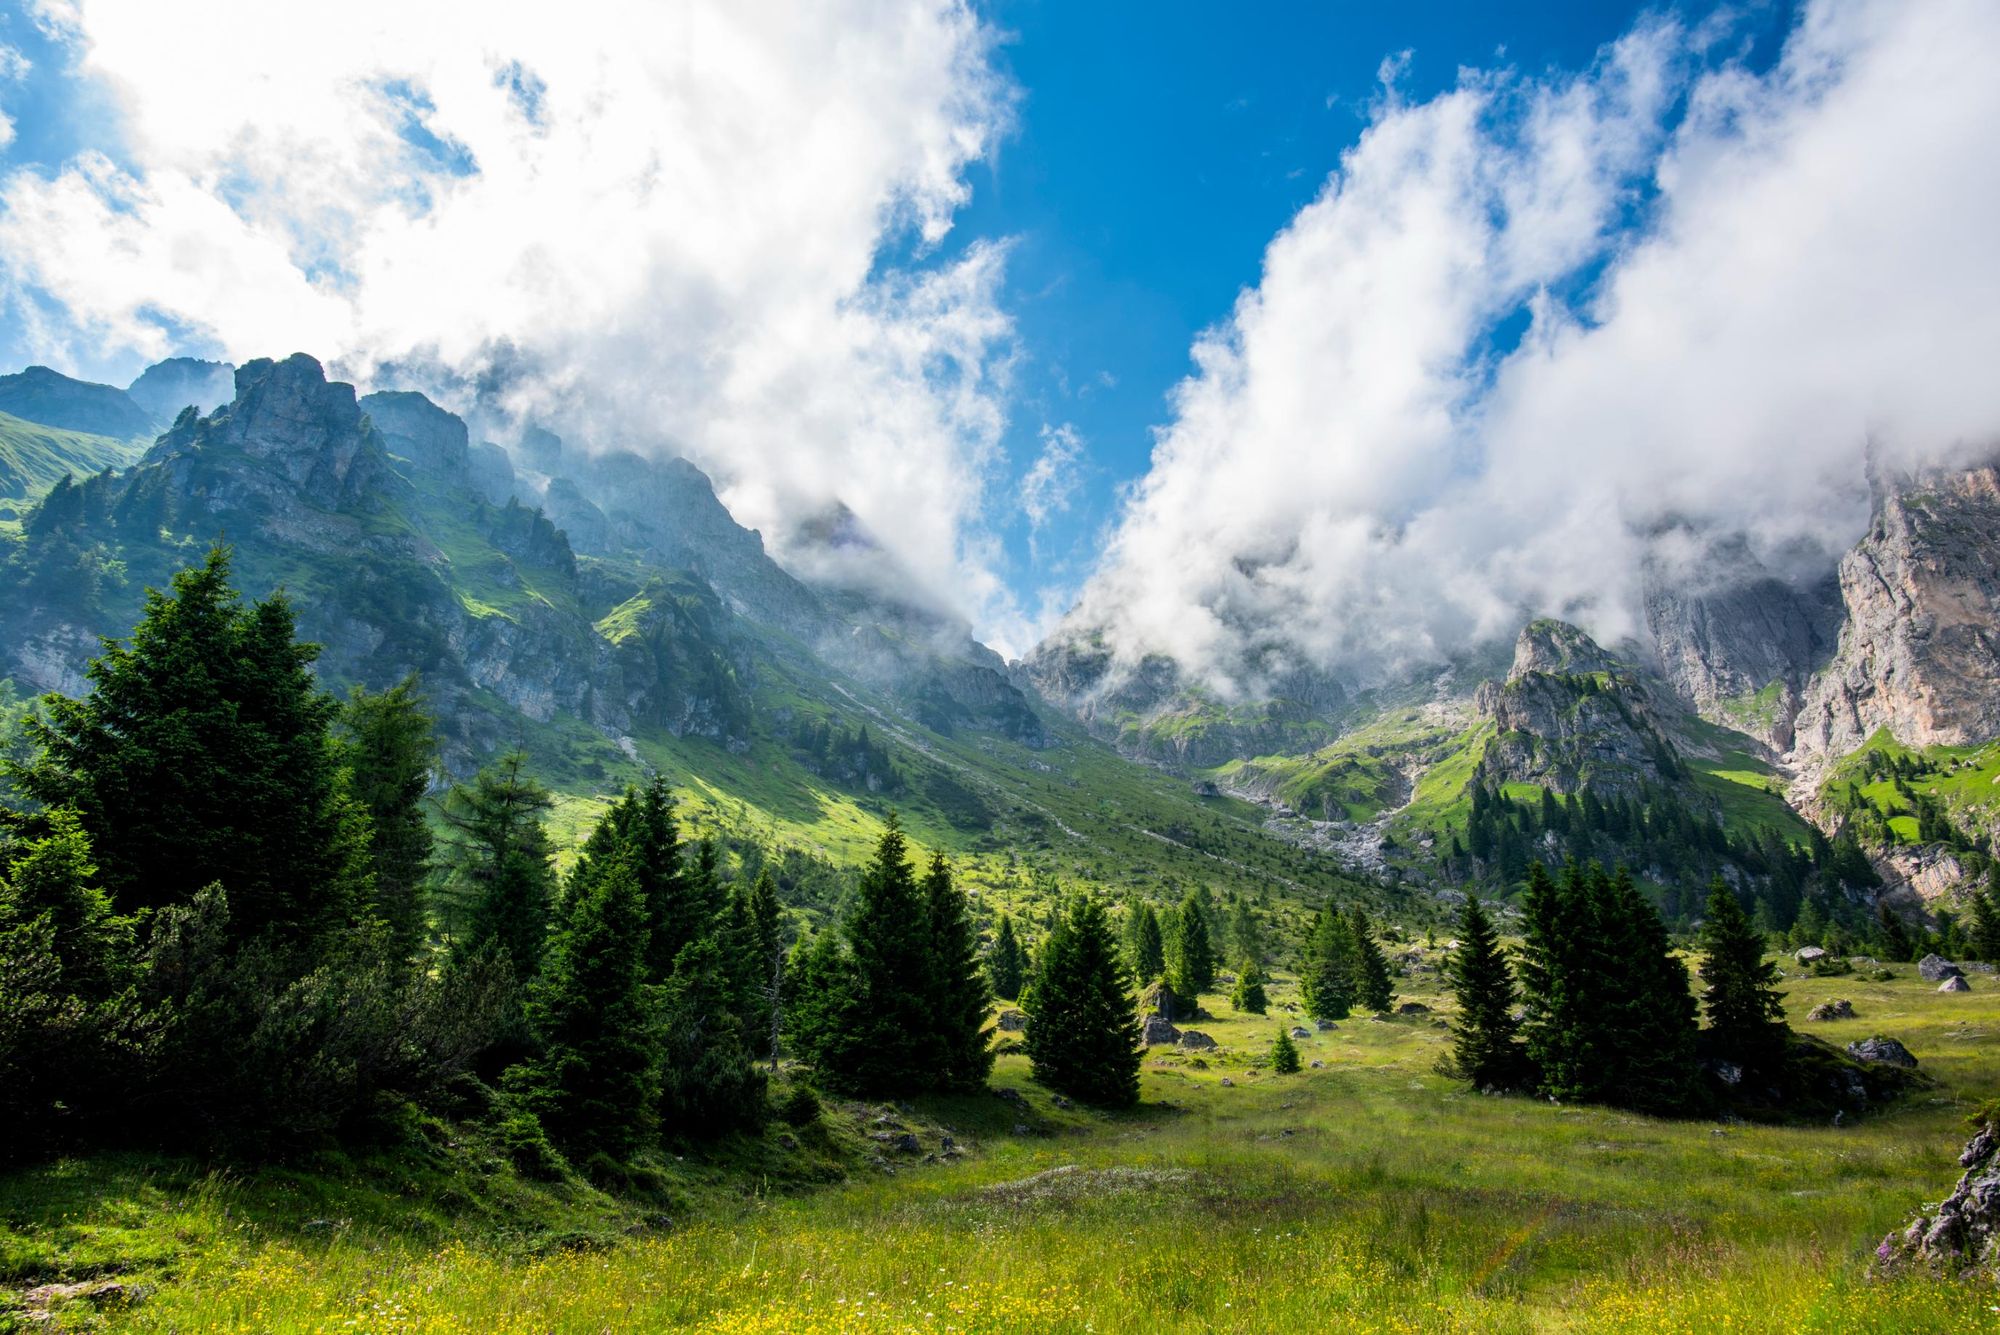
{"x":890,"y":666}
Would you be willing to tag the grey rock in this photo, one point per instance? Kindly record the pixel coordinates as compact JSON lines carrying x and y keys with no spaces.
{"x":1807,"y":954}
{"x":1226,"y":1083}
{"x":1154,"y":1030}
{"x":1965,"y":1231}
{"x":1300,"y":1031}
{"x":1886,"y":1050}
{"x":1832,"y":1010}
{"x":165,"y":388}
{"x":1325,"y":1025}
{"x":1956,"y":984}
{"x":1316,"y":1064}
{"x":1936,"y":968}
{"x":1413,"y":1008}
{"x":1193,"y":1040}
{"x":1013,"y":1021}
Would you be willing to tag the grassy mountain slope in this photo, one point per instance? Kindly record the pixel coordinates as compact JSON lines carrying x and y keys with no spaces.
{"x":33,"y":458}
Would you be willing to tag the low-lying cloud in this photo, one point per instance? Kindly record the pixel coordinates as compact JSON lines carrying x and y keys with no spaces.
{"x":707,"y":228}
{"x":1353,"y":478}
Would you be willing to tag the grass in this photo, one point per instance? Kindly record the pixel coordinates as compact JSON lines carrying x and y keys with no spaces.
{"x":1965,"y":779}
{"x":1368,"y":1195}
{"x":33,"y":457}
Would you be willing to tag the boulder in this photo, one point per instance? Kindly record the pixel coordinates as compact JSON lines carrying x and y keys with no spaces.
{"x":902,"y":1142}
{"x":1227,"y":1083}
{"x":1807,"y":954}
{"x":1155,"y":1030}
{"x":1965,"y":1231}
{"x":1013,"y":1021}
{"x":1413,"y":1008}
{"x":1886,"y":1050}
{"x":1300,"y":1031}
{"x":1317,"y":1063}
{"x":1161,"y":1000}
{"x":1955,"y":984}
{"x":1832,"y":1010}
{"x":1325,"y":1025}
{"x":1936,"y":968}
{"x":1193,"y":1040}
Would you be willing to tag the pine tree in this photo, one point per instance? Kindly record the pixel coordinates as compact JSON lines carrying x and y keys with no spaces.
{"x":390,"y":750}
{"x":1371,"y":971}
{"x":1893,"y":939}
{"x":819,"y":989}
{"x":1485,"y":1037}
{"x":1191,"y":953}
{"x":1006,"y":962}
{"x":1285,"y":1055}
{"x":1248,"y":997}
{"x":1246,"y":935}
{"x":1083,"y":1033}
{"x":596,"y":1078}
{"x":203,"y":754}
{"x":498,"y":857}
{"x":50,"y":881}
{"x":1326,"y":974}
{"x":1984,"y":927}
{"x":884,"y":1041}
{"x":1746,"y":1020}
{"x":1652,"y":1027}
{"x":709,"y":1082}
{"x":958,"y":994}
{"x":1561,"y":1029}
{"x":1145,"y":946}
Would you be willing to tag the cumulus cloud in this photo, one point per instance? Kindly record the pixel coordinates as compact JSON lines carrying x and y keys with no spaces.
{"x":710,"y":227}
{"x":1049,"y":486}
{"x":1353,"y":477}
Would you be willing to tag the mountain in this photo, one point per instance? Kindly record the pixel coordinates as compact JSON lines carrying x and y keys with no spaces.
{"x":165,"y":388}
{"x":53,"y":399}
{"x":666,"y":637}
{"x":34,"y":457}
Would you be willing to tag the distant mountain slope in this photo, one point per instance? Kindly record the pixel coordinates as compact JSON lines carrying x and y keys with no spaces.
{"x":34,"y":457}
{"x":39,"y":394}
{"x":165,"y":388}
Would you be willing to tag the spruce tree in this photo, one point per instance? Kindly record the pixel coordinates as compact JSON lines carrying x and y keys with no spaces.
{"x":1485,"y":1036}
{"x":596,"y":1078}
{"x":1558,"y":998}
{"x":1082,"y":1032}
{"x":390,"y":750}
{"x":1285,"y":1055}
{"x":819,"y":987}
{"x":1146,"y":947}
{"x":203,"y":754}
{"x":1326,"y":974}
{"x":709,"y":1082}
{"x":50,"y":882}
{"x":958,"y":994}
{"x":883,"y":1042}
{"x":1892,"y":938}
{"x":1248,"y":996}
{"x":1006,"y":962}
{"x":501,"y":876}
{"x":1371,"y":970}
{"x":1652,"y":1028}
{"x":1191,"y":953}
{"x":1746,"y":1017}
{"x":1986,"y":916}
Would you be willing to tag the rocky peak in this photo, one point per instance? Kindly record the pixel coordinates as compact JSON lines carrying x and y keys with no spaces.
{"x":1570,"y":714}
{"x":51,"y":398}
{"x":1919,"y":652}
{"x":416,"y":429}
{"x":164,"y":388}
{"x":1560,"y":649}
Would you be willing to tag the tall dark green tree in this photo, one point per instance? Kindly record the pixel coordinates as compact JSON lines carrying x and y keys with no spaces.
{"x":1145,"y":946}
{"x":1191,"y":951}
{"x":1326,"y":972}
{"x":389,"y":746}
{"x":596,"y":1078}
{"x":1248,"y":996}
{"x":501,"y":877}
{"x":1006,"y":962}
{"x":1892,"y":938}
{"x":1651,"y":1019}
{"x":51,"y":880}
{"x":1371,"y":970}
{"x":203,"y":754}
{"x":1485,"y":1037}
{"x":1746,"y":1014}
{"x":883,"y":1040}
{"x":1986,"y":916}
{"x":1558,"y":981}
{"x":1083,"y":1033}
{"x":709,"y":1082}
{"x":958,"y":993}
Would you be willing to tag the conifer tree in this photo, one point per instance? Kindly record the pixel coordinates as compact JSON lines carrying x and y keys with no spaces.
{"x":203,"y":754}
{"x":390,"y":749}
{"x":1650,"y":1046}
{"x":1083,"y":1033}
{"x":499,"y":860}
{"x":1246,"y":935}
{"x":1326,"y":974}
{"x":1371,"y":970}
{"x":596,"y":1078}
{"x":1146,"y":948}
{"x":1248,"y":996}
{"x":709,"y":1082}
{"x":1485,"y":1037}
{"x":1191,"y":953}
{"x":1892,"y":938}
{"x":1561,"y":1027}
{"x":819,"y":988}
{"x":1006,"y":962}
{"x":1746,"y":1020}
{"x":884,"y":1039}
{"x":958,"y":993}
{"x":50,"y":881}
{"x":1285,"y":1055}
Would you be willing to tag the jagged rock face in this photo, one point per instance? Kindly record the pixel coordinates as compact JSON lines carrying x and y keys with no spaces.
{"x":414,"y":429}
{"x":165,"y":388}
{"x":39,"y":394}
{"x":1965,"y":1231}
{"x":1919,"y":653}
{"x":1740,"y":649}
{"x":1571,"y":714}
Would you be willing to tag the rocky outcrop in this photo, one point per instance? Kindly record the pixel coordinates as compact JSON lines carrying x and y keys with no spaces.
{"x":1887,"y":1051}
{"x":1738,"y":644}
{"x":1919,"y":653}
{"x":429,"y":439}
{"x":1570,"y":714}
{"x":164,"y":388}
{"x":1964,"y":1234}
{"x":51,"y":398}
{"x":1936,"y":968}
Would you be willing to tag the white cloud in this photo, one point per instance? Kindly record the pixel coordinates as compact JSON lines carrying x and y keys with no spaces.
{"x":671,"y":221}
{"x":1049,"y":486}
{"x":1349,"y":480}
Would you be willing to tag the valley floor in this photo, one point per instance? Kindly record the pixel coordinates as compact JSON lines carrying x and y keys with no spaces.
{"x":1371,"y":1194}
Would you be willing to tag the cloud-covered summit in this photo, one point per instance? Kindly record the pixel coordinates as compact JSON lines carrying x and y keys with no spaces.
{"x":1540,"y":333}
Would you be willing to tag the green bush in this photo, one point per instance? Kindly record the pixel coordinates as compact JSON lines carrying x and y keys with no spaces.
{"x":527,"y":1144}
{"x":800,"y":1106}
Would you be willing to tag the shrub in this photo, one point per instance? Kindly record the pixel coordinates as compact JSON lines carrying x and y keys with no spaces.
{"x":800,"y":1106}
{"x":527,"y":1145}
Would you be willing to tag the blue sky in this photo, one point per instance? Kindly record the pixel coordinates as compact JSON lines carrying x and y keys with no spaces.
{"x":1175,"y":309}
